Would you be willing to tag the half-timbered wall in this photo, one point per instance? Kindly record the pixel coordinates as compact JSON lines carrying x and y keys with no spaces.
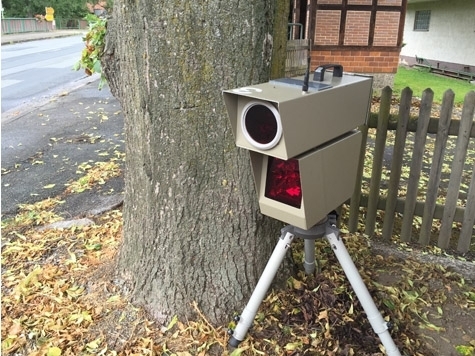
{"x":365,"y":36}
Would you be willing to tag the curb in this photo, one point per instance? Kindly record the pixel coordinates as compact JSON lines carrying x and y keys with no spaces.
{"x":26,"y":108}
{"x":27,"y":37}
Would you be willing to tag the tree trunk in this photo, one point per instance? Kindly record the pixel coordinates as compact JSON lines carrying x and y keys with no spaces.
{"x":193,"y":230}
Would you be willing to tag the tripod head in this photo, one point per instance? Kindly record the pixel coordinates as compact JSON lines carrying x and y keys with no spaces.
{"x":317,"y":231}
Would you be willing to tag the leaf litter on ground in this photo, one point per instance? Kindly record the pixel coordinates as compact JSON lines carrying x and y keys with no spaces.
{"x":59,"y":297}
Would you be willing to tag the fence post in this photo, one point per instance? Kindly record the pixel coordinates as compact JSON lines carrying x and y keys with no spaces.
{"x":382,"y":129}
{"x":416,"y":164}
{"x":436,"y":167}
{"x":396,"y":163}
{"x":468,"y":218}
{"x":463,"y":138}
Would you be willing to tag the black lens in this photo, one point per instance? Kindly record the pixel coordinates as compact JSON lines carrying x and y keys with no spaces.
{"x":261,"y":124}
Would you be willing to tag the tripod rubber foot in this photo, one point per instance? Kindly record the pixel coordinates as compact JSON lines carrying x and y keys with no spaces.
{"x":233,"y":342}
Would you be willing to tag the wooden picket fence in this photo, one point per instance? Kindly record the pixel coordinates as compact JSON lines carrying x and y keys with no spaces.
{"x":422,"y":182}
{"x":297,"y":56}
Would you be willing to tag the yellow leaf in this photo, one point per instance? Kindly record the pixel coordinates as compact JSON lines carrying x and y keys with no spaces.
{"x":323,"y":315}
{"x":172,"y":322}
{"x":431,"y":326}
{"x":49,"y":186}
{"x":237,"y":352}
{"x":291,"y":346}
{"x":296,"y":284}
{"x":114,"y":298}
{"x":72,"y":258}
{"x":29,"y":281}
{"x":94,"y":344}
{"x":54,"y":351}
{"x":7,"y":343}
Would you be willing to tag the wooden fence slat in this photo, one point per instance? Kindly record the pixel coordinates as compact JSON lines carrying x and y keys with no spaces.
{"x":463,"y":139}
{"x":466,"y":233}
{"x":396,"y":163}
{"x":412,"y":125}
{"x":418,"y":210}
{"x":297,"y":56}
{"x":355,"y":198}
{"x":379,"y":144}
{"x":416,"y":164}
{"x":436,"y":167}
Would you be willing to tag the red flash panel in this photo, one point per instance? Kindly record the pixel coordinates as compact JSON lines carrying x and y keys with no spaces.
{"x":283,"y":181}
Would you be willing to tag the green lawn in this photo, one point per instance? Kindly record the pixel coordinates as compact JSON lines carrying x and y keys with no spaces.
{"x":419,"y":79}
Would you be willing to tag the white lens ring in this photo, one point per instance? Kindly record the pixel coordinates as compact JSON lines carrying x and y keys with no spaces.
{"x":247,"y":135}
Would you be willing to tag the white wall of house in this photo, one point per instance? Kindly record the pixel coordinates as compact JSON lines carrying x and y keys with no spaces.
{"x":451,"y":35}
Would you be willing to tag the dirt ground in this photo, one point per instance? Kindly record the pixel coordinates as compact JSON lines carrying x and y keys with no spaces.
{"x":456,"y":321}
{"x":436,"y":321}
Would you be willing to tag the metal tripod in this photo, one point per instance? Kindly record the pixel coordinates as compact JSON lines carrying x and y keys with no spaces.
{"x":326,"y":228}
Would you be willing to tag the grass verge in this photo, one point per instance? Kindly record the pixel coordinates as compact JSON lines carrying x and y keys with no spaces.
{"x":419,"y":79}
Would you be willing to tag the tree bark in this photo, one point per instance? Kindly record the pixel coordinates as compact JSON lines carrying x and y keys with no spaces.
{"x":192,"y":226}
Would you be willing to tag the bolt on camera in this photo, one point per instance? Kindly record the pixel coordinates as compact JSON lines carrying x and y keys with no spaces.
{"x":304,"y":145}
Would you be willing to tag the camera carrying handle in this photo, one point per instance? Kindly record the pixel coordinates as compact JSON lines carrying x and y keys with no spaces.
{"x":320,"y":71}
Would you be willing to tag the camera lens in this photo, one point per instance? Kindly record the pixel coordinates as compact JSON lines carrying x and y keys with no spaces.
{"x":261,"y":125}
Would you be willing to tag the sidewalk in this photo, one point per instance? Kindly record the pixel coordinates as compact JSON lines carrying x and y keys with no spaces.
{"x":43,"y":147}
{"x":44,"y":142}
{"x":32,"y":36}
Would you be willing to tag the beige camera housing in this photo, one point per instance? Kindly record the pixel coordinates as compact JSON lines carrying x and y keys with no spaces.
{"x":317,"y":128}
{"x":305,"y":120}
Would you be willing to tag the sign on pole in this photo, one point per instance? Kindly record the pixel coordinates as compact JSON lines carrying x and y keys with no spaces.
{"x":49,"y":14}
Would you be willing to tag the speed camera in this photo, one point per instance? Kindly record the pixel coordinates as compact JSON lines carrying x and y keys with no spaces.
{"x":304,"y":145}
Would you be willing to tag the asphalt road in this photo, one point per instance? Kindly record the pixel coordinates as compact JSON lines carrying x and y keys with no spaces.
{"x":43,"y":145}
{"x":38,"y":70}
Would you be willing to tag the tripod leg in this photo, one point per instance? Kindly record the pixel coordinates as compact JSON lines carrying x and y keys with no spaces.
{"x":309,"y":256}
{"x":377,"y":322}
{"x":247,"y":317}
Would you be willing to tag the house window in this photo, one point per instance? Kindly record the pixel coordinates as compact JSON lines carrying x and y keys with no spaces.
{"x":422,"y":20}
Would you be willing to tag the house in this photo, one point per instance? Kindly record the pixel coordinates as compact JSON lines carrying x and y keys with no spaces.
{"x":365,"y":36}
{"x":99,"y":8}
{"x":440,"y":34}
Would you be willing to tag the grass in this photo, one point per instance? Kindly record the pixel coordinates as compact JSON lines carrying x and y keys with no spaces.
{"x":419,"y":79}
